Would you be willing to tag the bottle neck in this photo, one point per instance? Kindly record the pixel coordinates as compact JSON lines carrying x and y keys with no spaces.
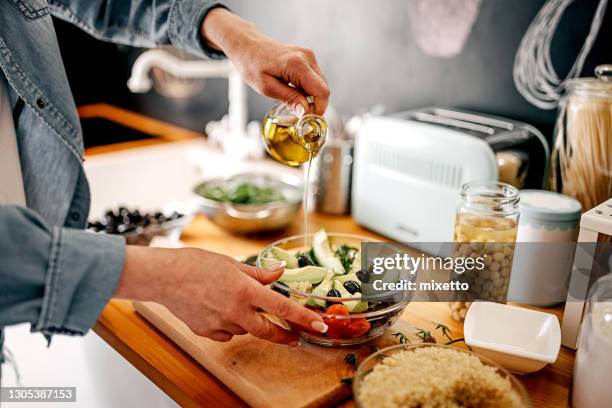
{"x":311,"y":132}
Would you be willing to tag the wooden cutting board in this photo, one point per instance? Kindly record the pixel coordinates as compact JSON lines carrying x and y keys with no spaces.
{"x":263,"y":374}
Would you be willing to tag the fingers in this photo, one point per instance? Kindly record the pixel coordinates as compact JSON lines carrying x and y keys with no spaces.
{"x":235,"y":330}
{"x":302,"y":70}
{"x":221,"y":335}
{"x":264,"y":275}
{"x":290,"y":96}
{"x":313,"y":84}
{"x":286,"y":308}
{"x":256,"y":324}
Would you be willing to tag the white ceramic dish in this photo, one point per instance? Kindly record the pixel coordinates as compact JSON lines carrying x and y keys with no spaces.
{"x":521,"y":340}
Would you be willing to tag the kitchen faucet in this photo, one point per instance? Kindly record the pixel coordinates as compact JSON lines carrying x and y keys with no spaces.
{"x":231,"y":132}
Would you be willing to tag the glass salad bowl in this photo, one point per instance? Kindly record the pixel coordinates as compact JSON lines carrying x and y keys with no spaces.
{"x":323,"y":272}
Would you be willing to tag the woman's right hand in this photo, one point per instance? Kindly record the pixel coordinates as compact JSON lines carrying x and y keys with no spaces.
{"x":215,"y":295}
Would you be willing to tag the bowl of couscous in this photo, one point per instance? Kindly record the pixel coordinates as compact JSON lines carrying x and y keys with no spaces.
{"x":430,"y":375}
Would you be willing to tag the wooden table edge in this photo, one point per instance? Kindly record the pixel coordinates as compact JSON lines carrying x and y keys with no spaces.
{"x":143,"y":359}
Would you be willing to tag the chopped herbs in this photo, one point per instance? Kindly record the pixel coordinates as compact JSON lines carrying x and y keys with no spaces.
{"x":446,"y":332}
{"x":351,"y":360}
{"x":425,"y":335}
{"x":346,"y":254}
{"x":243,"y":193}
{"x":401,"y":337}
{"x":448,"y":343}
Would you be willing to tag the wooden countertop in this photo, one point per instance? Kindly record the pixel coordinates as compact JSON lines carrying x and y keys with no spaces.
{"x":184,"y":380}
{"x":181,"y":377}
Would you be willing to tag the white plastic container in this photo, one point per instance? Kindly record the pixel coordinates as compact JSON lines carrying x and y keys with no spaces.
{"x":541,"y":271}
{"x":521,"y":340}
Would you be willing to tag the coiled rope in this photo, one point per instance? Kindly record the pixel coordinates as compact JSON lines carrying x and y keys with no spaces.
{"x":534,"y":74}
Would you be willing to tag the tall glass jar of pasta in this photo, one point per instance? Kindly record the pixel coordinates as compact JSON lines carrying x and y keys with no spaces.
{"x":582,"y":153}
{"x":485,"y":230}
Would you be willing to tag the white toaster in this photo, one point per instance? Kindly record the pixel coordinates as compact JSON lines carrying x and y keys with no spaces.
{"x":409,"y":167}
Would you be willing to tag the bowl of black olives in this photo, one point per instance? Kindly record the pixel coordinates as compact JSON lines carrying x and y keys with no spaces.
{"x":139,"y":227}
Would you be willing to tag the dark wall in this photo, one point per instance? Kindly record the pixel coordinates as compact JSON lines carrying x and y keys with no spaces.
{"x":369,"y":55}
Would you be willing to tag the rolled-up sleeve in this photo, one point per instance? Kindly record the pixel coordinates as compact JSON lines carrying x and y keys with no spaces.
{"x":142,"y":23}
{"x":57,"y":279}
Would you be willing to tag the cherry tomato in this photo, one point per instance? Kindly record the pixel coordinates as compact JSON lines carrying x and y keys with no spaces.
{"x":336,"y":326}
{"x":356,"y":328}
{"x":335,"y":330}
{"x":337,"y":309}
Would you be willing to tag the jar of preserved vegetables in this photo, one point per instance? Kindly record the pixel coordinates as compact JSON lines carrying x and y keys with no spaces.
{"x":485,"y":228}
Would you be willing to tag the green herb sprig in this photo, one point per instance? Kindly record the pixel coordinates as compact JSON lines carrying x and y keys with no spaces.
{"x":401,"y":338}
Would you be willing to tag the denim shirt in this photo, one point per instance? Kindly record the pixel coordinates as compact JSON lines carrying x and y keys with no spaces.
{"x":53,"y":274}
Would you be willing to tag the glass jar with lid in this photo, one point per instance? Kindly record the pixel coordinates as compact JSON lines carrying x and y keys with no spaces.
{"x":485,"y":228}
{"x":292,"y":140}
{"x":582,"y":153}
{"x":594,"y":355}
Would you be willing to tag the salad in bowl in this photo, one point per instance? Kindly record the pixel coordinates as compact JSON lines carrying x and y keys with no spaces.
{"x":324,"y":272}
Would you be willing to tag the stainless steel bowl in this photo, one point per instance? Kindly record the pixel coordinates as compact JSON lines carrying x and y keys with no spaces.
{"x":252,"y":218}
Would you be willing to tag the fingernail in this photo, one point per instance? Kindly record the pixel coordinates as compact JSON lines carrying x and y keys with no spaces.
{"x":319,"y":326}
{"x":295,"y":344}
{"x":277,"y":266}
{"x":299,"y":110}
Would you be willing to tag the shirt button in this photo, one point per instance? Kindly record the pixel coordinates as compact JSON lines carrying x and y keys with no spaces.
{"x":75,"y":216}
{"x":40,"y":102}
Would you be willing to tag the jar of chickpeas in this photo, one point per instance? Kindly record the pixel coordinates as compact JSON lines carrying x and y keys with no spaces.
{"x":485,"y":229}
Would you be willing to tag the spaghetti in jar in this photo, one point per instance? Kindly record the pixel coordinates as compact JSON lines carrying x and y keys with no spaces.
{"x":582,"y":153}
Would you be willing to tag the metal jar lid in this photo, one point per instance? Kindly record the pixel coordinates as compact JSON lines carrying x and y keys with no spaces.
{"x":600,"y":85}
{"x":548,"y":206}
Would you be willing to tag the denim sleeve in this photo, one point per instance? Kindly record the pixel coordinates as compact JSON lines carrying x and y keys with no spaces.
{"x":57,"y":279}
{"x":142,"y":23}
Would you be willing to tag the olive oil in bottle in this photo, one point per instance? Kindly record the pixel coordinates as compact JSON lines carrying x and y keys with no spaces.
{"x":292,"y":140}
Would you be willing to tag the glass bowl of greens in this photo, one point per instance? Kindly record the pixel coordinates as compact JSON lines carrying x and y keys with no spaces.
{"x":250,"y":202}
{"x":323,"y":272}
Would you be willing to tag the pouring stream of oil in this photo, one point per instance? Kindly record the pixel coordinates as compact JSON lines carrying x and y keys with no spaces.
{"x":306,"y":199}
{"x":294,"y":141}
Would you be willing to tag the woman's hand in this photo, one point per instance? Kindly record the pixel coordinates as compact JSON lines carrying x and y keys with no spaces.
{"x":215,"y":295}
{"x":285,"y":72}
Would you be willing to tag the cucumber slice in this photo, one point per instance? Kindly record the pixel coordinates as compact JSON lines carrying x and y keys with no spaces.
{"x":265,"y":262}
{"x":353,"y":306}
{"x":282,"y":255}
{"x":312,"y":274}
{"x":325,"y":256}
{"x":321,"y":290}
{"x":356,"y":266}
{"x":347,"y":277}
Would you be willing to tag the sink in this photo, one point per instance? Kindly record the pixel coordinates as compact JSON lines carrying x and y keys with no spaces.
{"x":153,"y":177}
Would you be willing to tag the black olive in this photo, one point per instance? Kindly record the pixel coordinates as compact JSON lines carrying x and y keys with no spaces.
{"x":281,"y":288}
{"x":364,"y":276}
{"x":352,"y":287}
{"x":126,"y":228}
{"x":334,"y":293}
{"x":304,"y":260}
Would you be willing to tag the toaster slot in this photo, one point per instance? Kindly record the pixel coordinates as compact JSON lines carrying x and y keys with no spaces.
{"x":454,"y":123}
